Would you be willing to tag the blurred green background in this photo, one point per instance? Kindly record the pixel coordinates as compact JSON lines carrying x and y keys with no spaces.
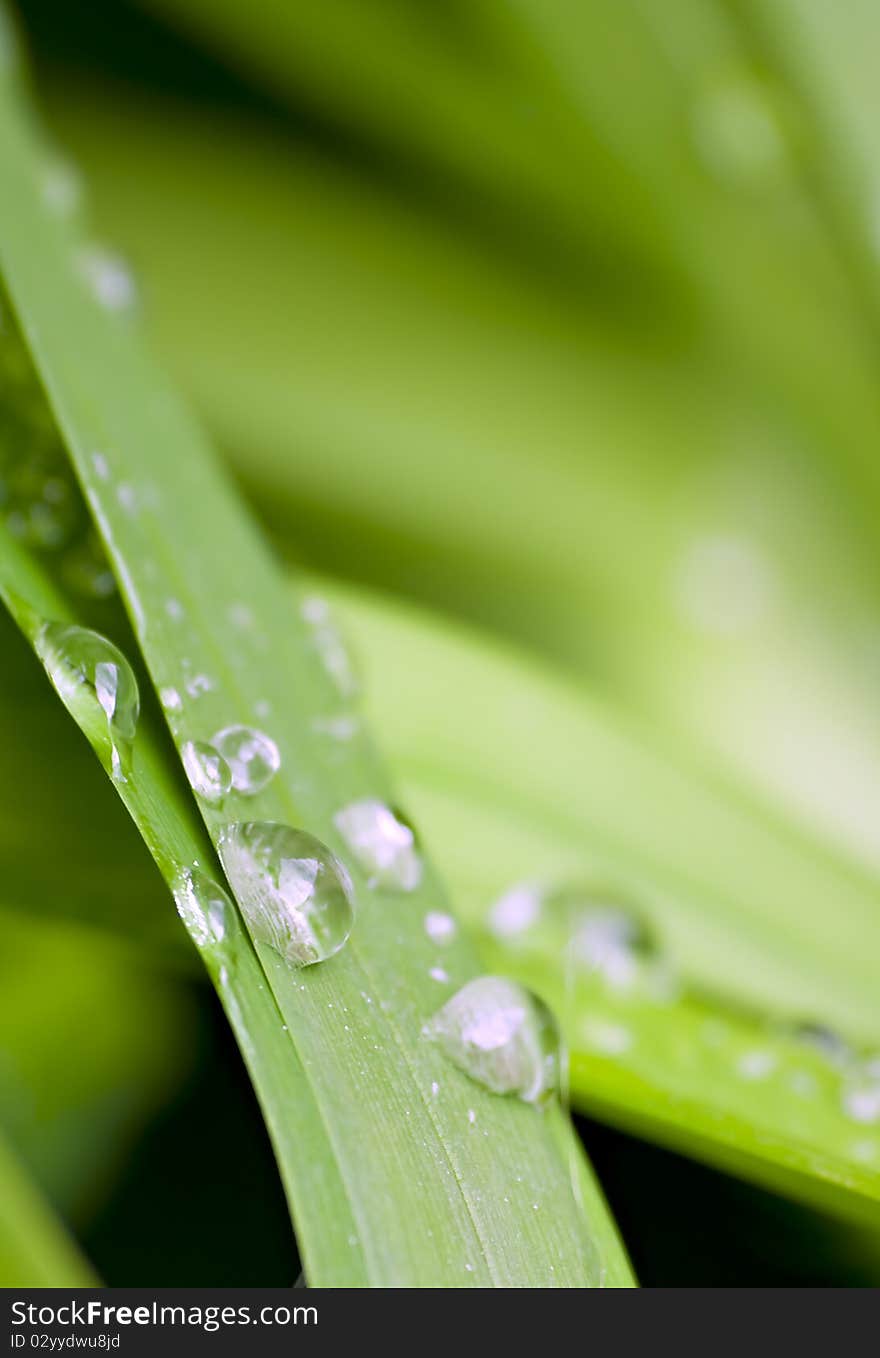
{"x":562,"y":317}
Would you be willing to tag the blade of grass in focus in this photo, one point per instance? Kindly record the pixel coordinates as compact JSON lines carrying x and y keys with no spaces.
{"x":416,"y":1196}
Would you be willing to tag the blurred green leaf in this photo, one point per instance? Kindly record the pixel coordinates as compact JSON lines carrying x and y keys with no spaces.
{"x":34,"y":1249}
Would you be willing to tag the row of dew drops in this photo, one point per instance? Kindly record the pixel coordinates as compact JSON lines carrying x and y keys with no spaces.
{"x":294,"y":893}
{"x":600,"y":937}
{"x":298,"y":897}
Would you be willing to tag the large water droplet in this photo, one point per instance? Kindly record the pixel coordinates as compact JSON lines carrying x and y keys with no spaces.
{"x":383,"y":844}
{"x":502,"y":1036}
{"x":204,"y":907}
{"x":294,"y":893}
{"x":861,"y":1091}
{"x":94,"y":681}
{"x":252,"y":756}
{"x":208,"y":772}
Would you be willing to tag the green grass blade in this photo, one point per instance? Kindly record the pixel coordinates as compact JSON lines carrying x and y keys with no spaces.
{"x":35,"y":1249}
{"x":462,"y":1189}
{"x":168,"y":823}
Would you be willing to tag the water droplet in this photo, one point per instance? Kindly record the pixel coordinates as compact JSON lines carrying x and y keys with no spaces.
{"x":109,"y":278}
{"x":174,"y":609}
{"x":62,"y":187}
{"x":757,"y":1065}
{"x":612,"y":940}
{"x":208,"y":772}
{"x":337,"y":728}
{"x":826,"y":1041}
{"x":439,"y":974}
{"x":170,"y":699}
{"x":127,"y":497}
{"x":439,"y":927}
{"x":611,"y":1039}
{"x":592,"y":926}
{"x":861,"y":1091}
{"x":101,"y":466}
{"x":382,"y":843}
{"x":204,"y":907}
{"x":252,"y":756}
{"x":294,"y":893}
{"x":95,"y":682}
{"x":199,"y":683}
{"x":502,"y":1036}
{"x":517,"y":910}
{"x":330,"y":646}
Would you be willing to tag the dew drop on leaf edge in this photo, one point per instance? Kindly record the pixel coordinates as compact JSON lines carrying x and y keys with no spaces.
{"x":94,"y":681}
{"x":204,"y":907}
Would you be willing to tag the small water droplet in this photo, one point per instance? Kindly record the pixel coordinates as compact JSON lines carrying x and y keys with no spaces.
{"x":204,"y":907}
{"x":62,"y":187}
{"x":439,"y":927}
{"x":294,"y":893}
{"x":252,"y":756}
{"x":170,"y":699}
{"x":127,"y":497}
{"x":611,"y":1039}
{"x":861,"y":1091}
{"x":438,"y":974}
{"x":101,"y":466}
{"x":174,"y":609}
{"x":95,"y":682}
{"x":109,"y":278}
{"x":331,"y":646}
{"x":517,"y":910}
{"x":757,"y":1065}
{"x":382,"y":843}
{"x":197,"y":684}
{"x":337,"y":728}
{"x":207,"y":771}
{"x":502,"y":1036}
